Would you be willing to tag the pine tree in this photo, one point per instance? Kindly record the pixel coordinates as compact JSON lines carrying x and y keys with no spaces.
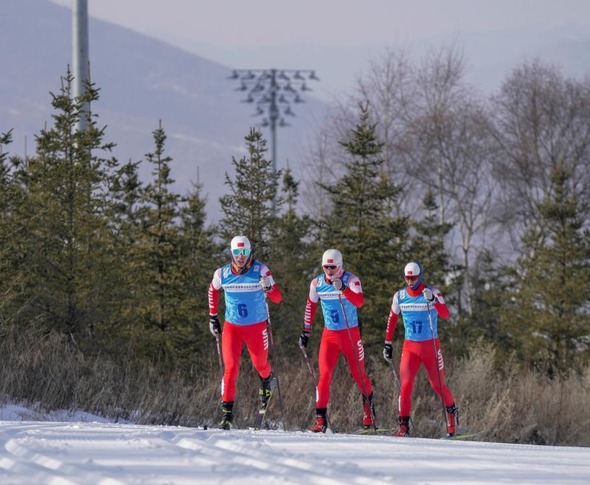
{"x":251,"y":207}
{"x":70,"y":266}
{"x":156,"y":272}
{"x":10,"y":239}
{"x":362,"y":226}
{"x":199,"y":263}
{"x":254,"y":208}
{"x":290,"y":260}
{"x":545,"y":312}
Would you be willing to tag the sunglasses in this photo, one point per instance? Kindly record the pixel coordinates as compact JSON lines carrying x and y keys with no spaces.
{"x":241,"y":251}
{"x":329,"y":266}
{"x":410,"y":277}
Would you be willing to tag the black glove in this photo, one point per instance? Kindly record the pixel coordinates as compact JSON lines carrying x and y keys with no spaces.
{"x":338,"y":285}
{"x":214,"y":326}
{"x":303,"y":339}
{"x":388,"y":351}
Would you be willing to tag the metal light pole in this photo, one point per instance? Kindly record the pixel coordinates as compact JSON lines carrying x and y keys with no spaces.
{"x":273,"y":91}
{"x":80,"y":57}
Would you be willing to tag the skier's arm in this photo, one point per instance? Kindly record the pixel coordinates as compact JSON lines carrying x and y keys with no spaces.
{"x":394,"y":312}
{"x":311,"y":306}
{"x":213,"y":292}
{"x":439,"y":304}
{"x":391,"y":324}
{"x":274,"y":294}
{"x":353,"y":292}
{"x":310,"y":310}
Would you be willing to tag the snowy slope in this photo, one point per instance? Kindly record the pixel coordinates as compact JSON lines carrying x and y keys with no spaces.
{"x":64,"y":453}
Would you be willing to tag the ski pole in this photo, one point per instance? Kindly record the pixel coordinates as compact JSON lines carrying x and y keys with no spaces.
{"x":315,"y":381}
{"x":395,"y":378}
{"x":219,"y":357}
{"x":269,"y":329}
{"x":358,"y":364}
{"x":438,"y":363}
{"x":269,"y":326}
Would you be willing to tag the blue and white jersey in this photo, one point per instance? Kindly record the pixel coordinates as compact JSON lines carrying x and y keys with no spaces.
{"x":331,"y":307}
{"x":245,"y":301}
{"x":414,"y":310}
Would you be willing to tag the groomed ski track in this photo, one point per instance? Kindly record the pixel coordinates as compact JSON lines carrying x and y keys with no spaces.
{"x":116,"y":454}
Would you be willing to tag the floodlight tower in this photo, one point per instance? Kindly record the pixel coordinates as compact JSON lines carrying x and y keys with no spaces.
{"x":273,"y":91}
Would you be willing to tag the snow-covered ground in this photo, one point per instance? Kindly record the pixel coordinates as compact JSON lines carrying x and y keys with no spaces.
{"x":78,"y":449}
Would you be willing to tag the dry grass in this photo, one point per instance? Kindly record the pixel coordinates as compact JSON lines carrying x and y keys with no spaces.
{"x":516,"y":406}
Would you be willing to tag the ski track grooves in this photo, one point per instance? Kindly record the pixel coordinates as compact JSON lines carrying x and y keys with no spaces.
{"x":251,"y":450}
{"x":48,"y":453}
{"x":28,"y":458}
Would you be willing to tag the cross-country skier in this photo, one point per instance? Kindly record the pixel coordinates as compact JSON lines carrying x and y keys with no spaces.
{"x":337,"y":290}
{"x":246,"y":283}
{"x":420,"y":306}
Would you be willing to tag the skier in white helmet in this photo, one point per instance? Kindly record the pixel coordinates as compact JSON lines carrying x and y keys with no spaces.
{"x":420,"y":306}
{"x":246,"y":283}
{"x":338,"y":290}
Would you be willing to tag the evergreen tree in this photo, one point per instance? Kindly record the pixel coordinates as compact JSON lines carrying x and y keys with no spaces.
{"x":10,"y":240}
{"x":158,"y":327}
{"x":126,"y":192}
{"x":362,"y":225}
{"x":428,"y":247}
{"x":546,"y":313}
{"x":290,"y":261}
{"x":199,"y":262}
{"x":251,"y":206}
{"x":490,"y":287}
{"x":70,"y":266}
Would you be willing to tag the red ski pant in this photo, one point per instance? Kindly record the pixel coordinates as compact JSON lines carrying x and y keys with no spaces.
{"x":233,"y":339}
{"x":414,"y":354}
{"x":333,"y":343}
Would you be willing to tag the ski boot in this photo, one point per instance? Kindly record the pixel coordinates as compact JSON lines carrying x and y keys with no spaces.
{"x":368,"y":412}
{"x":452,"y":420}
{"x":321,"y":424}
{"x":228,"y":415}
{"x":265,"y":390}
{"x":404,"y":426}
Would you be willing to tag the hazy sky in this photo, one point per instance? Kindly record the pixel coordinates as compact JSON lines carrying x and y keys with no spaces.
{"x":288,"y":34}
{"x":234,"y":24}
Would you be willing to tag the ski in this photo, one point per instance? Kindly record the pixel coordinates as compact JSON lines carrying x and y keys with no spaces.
{"x":259,"y":420}
{"x":461,"y":436}
{"x":372,"y":430}
{"x":392,"y":431}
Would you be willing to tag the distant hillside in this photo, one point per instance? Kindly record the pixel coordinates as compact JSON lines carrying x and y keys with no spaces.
{"x":141,"y":81}
{"x":490,"y":55}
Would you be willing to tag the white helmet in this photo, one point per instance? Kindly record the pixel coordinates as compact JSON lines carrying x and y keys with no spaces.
{"x":240,"y":244}
{"x":332,"y":257}
{"x":414,"y":269}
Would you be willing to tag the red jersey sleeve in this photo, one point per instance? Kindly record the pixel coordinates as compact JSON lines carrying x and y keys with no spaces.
{"x":213,"y":296}
{"x":391,"y":324}
{"x":310,"y":310}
